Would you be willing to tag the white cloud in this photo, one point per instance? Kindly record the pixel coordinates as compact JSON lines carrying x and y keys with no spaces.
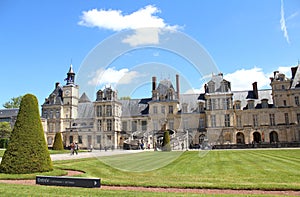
{"x":142,"y":37}
{"x":115,"y":20}
{"x":282,"y":23}
{"x":194,"y":91}
{"x":242,"y":79}
{"x":112,"y":76}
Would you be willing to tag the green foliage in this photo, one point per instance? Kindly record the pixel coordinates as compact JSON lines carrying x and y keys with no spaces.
{"x":27,"y":151}
{"x":13,"y":103}
{"x":5,"y":129}
{"x":58,"y":144}
{"x":125,"y":98}
{"x":166,"y":146}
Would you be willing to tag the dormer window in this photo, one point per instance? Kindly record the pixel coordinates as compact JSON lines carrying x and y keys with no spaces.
{"x":184,"y":108}
{"x":238,"y":105}
{"x":250,"y":104}
{"x":211,"y":87}
{"x":264,"y":103}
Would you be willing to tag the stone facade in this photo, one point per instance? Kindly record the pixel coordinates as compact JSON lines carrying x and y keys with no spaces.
{"x":217,"y":116}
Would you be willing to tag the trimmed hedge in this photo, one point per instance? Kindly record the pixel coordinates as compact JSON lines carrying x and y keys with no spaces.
{"x":58,"y":144}
{"x":166,"y":146}
{"x":27,"y":151}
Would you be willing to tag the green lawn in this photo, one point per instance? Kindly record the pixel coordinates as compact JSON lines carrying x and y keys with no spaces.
{"x":276,"y":169}
{"x":234,"y":169}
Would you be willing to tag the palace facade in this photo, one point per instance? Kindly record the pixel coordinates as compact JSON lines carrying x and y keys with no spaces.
{"x":215,"y":117}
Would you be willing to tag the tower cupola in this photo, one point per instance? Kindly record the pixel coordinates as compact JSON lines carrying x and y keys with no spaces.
{"x":70,"y":76}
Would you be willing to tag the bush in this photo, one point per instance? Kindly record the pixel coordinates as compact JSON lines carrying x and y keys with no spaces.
{"x":3,"y":142}
{"x":27,"y":151}
{"x":58,"y":144}
{"x":166,"y":142}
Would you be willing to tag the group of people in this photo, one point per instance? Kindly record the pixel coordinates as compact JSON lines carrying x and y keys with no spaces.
{"x":74,"y":148}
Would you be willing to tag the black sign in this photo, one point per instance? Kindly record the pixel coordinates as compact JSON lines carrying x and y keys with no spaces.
{"x":68,"y":181}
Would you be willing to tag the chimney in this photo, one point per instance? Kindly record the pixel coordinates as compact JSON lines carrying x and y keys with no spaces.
{"x":294,"y":70}
{"x":153,"y":83}
{"x":177,"y":86}
{"x":255,"y":91}
{"x":205,"y":88}
{"x":56,"y":84}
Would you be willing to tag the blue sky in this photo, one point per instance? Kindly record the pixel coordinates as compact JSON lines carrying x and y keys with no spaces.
{"x":247,"y":40}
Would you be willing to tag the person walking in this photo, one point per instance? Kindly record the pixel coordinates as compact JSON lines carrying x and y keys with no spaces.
{"x":76,"y":148}
{"x":72,"y":147}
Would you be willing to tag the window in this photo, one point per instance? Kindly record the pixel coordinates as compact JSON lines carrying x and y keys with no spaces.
{"x":272,"y":119}
{"x":201,"y":107}
{"x":108,"y":110}
{"x":109,"y":125}
{"x":144,"y":125}
{"x":184,"y":108}
{"x":213,"y":104}
{"x":155,"y":125}
{"x":224,"y":103}
{"x":45,"y":114}
{"x":124,"y":125}
{"x":238,"y":121}
{"x":155,"y":109}
{"x":99,"y":111}
{"x":286,"y":118}
{"x":99,"y":125}
{"x":284,"y":102}
{"x":134,"y":125}
{"x":171,"y":124}
{"x":237,"y":105}
{"x":170,"y":109}
{"x":213,"y":120}
{"x":163,"y":109}
{"x":297,"y":100}
{"x":98,"y":139}
{"x":282,"y":87}
{"x":79,"y":139}
{"x":298,"y":118}
{"x":71,"y":139}
{"x":264,"y":104}
{"x":255,"y":120}
{"x":185,"y":123}
{"x":57,"y":114}
{"x":251,"y":104}
{"x":201,"y":123}
{"x":227,"y":120}
{"x":51,"y":113}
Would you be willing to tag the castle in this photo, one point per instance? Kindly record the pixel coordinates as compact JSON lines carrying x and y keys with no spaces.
{"x":218,"y":116}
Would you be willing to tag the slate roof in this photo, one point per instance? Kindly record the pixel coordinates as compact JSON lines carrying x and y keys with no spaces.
{"x":243,"y":96}
{"x":164,"y":86}
{"x":55,"y":98}
{"x":296,"y":79}
{"x":135,"y":107}
{"x":84,"y":98}
{"x":7,"y":113}
{"x":191,"y":100}
{"x":85,"y":110}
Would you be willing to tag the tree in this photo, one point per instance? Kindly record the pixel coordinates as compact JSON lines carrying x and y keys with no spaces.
{"x":5,"y":130}
{"x":58,"y":144}
{"x":166,"y":142}
{"x":125,"y":98}
{"x":13,"y":103}
{"x":27,"y":150}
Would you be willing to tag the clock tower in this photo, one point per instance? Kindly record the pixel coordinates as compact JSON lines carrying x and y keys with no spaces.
{"x":70,"y":98}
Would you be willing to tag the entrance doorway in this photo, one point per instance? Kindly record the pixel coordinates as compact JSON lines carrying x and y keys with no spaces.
{"x":256,"y":137}
{"x":240,"y":139}
{"x":273,"y":137}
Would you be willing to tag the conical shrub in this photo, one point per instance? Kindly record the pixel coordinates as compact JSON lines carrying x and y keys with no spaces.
{"x":27,"y":150}
{"x":58,"y":144}
{"x":166,"y":142}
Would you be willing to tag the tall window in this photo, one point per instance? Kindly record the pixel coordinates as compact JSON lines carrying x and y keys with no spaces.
{"x":108,"y":110}
{"x":57,"y":114}
{"x":99,"y":111}
{"x":155,"y":125}
{"x":238,"y":121}
{"x":144,"y":125}
{"x":213,"y":104}
{"x":185,"y":123}
{"x":298,"y":118}
{"x":286,"y":118}
{"x":272,"y":119}
{"x":134,"y":125}
{"x":170,"y":109}
{"x":51,"y":113}
{"x":79,"y":139}
{"x":227,"y":120}
{"x":297,"y":100}
{"x":213,"y":120}
{"x":163,"y":109}
{"x":250,"y":104}
{"x":124,"y":125}
{"x":109,"y":125}
{"x":237,"y":105}
{"x":155,"y":109}
{"x":224,"y":103}
{"x":255,"y":120}
{"x":284,"y":102}
{"x":99,"y":125}
{"x":201,"y":123}
{"x":98,"y":139}
{"x":171,"y":124}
